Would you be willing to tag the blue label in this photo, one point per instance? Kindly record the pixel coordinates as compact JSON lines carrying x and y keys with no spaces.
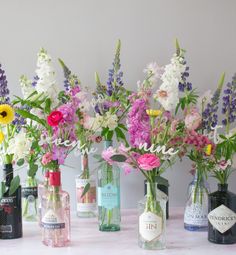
{"x":108,"y":196}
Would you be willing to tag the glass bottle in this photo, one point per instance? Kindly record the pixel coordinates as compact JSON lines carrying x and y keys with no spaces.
{"x":10,"y":209}
{"x":109,"y":196}
{"x":30,"y":199}
{"x":55,"y":223}
{"x":85,"y":190}
{"x":152,"y":219}
{"x":222,"y":216}
{"x":196,"y":209}
{"x":42,"y":188}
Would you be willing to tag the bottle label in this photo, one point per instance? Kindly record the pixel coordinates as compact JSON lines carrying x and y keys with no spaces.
{"x":108,"y":196}
{"x":150,"y":226}
{"x":8,"y":206}
{"x":222,"y":218}
{"x":30,"y":192}
{"x":196,"y":214}
{"x":52,"y":221}
{"x":86,"y":203}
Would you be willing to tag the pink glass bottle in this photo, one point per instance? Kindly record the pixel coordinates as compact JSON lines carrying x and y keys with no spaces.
{"x":55,"y":223}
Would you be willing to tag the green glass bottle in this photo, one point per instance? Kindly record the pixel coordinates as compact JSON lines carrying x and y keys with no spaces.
{"x":109,"y":196}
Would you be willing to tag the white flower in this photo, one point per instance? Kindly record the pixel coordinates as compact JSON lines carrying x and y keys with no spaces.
{"x":97,"y":122}
{"x":84,"y":100}
{"x":204,"y":99}
{"x":154,"y":69}
{"x":20,"y":146}
{"x":168,"y":95}
{"x":111,"y":121}
{"x":26,"y":86}
{"x":46,"y":82}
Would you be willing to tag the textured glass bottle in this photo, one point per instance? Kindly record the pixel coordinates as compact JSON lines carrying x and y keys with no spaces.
{"x":222,"y":216}
{"x":86,"y":190}
{"x":152,"y":219}
{"x":109,"y":196}
{"x":55,"y":223}
{"x":196,"y":210}
{"x":30,"y":199}
{"x":10,"y":209}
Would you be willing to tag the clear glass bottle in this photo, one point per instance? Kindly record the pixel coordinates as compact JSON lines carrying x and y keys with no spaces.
{"x":55,"y":223}
{"x":222,"y":216}
{"x":86,"y":190}
{"x":30,"y":199}
{"x":196,"y":210}
{"x":109,"y":196}
{"x":10,"y":208}
{"x":152,"y":219}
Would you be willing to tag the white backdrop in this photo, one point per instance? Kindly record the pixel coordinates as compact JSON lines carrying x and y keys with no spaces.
{"x":84,"y":32}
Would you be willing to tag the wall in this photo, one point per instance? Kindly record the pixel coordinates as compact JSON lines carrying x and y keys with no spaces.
{"x":83,"y":33}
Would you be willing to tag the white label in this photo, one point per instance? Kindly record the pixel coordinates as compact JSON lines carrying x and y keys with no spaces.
{"x":196,"y":214}
{"x":52,"y":221}
{"x":150,"y":226}
{"x":222,"y":218}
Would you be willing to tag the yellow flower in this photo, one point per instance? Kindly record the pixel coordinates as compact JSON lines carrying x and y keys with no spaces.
{"x":153,"y":113}
{"x":6,"y":114}
{"x":208,"y":150}
{"x":1,"y":137}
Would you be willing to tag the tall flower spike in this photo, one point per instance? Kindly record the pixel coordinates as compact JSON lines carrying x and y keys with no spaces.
{"x":229,"y":103}
{"x":4,"y":91}
{"x":209,"y":114}
{"x":115,"y":74}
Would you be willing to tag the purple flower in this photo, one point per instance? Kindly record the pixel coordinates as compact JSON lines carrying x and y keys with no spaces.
{"x":59,"y":154}
{"x":229,"y":102}
{"x":184,"y":85}
{"x":4,"y":91}
{"x":138,"y":123}
{"x":69,"y":113}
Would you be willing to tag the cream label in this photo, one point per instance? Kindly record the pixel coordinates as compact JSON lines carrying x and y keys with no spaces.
{"x":150,"y":226}
{"x":222,"y":218}
{"x":52,"y":221}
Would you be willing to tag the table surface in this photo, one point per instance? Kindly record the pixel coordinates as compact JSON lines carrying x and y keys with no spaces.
{"x":87,"y":239}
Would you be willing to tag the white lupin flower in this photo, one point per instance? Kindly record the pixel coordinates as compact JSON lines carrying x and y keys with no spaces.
{"x":156,"y":71}
{"x":20,"y":146}
{"x":26,"y":86}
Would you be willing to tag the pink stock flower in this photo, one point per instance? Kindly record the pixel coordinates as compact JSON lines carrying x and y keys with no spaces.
{"x":148,"y":162}
{"x":107,"y":154}
{"x":68,"y":113}
{"x":193,"y":119}
{"x":75,"y":90}
{"x":47,"y":158}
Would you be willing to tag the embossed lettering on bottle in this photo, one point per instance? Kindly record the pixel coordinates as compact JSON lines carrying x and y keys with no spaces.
{"x":222,"y":218}
{"x":150,"y":226}
{"x":196,"y":214}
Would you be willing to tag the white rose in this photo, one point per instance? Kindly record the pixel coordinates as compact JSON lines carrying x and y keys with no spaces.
{"x":20,"y":146}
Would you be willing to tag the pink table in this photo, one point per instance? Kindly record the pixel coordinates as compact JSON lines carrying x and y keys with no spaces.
{"x":87,"y":240}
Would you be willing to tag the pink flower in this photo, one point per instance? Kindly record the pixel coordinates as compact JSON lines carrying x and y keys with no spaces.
{"x":47,"y":158}
{"x":123,"y":149}
{"x":148,"y":161}
{"x":174,"y":125}
{"x":223,"y":164}
{"x":193,"y":119}
{"x":75,"y":90}
{"x":127,"y":168}
{"x":107,"y":154}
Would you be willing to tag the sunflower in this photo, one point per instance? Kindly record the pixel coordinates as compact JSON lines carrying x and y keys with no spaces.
{"x":1,"y":137}
{"x":153,"y":113}
{"x":6,"y":114}
{"x":208,"y":150}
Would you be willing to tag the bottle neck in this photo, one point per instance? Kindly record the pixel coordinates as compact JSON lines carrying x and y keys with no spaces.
{"x":107,"y":144}
{"x":222,"y":187}
{"x":151,"y":189}
{"x":8,"y":174}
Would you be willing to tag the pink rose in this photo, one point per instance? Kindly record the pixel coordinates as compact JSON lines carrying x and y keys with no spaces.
{"x":47,"y":158}
{"x":107,"y":154}
{"x":193,"y":119}
{"x":148,"y":162}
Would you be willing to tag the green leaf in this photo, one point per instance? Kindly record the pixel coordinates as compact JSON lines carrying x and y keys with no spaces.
{"x":86,"y":189}
{"x":177,"y":47}
{"x":28,"y":115}
{"x":2,"y":189}
{"x":119,"y":134}
{"x":32,"y":170}
{"x":118,"y":158}
{"x":122,"y":126}
{"x":20,"y":162}
{"x":47,"y":107}
{"x":15,"y":183}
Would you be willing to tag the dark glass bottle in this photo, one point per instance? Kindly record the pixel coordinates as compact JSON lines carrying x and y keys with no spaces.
{"x":10,"y":209}
{"x":163,"y":188}
{"x":222,"y":216}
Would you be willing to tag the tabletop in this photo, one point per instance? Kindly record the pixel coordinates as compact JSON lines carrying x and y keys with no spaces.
{"x":87,"y":239}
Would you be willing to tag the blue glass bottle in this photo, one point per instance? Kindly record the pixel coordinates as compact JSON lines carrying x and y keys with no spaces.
{"x":196,"y":210}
